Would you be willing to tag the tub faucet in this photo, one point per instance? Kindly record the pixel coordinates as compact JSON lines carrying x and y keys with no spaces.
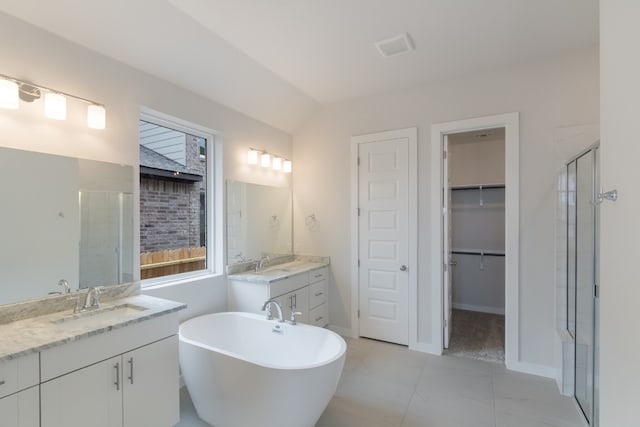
{"x":267,"y":306}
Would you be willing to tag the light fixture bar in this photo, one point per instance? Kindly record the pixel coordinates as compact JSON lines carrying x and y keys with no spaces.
{"x":268,"y":160}
{"x":68,"y":95}
{"x":54,"y":100}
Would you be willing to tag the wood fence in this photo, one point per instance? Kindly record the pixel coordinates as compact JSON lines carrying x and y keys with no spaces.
{"x":164,"y":263}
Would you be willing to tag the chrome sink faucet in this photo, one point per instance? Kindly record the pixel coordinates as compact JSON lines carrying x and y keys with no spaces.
{"x":267,"y":307}
{"x":92,"y":300}
{"x":260,"y":264}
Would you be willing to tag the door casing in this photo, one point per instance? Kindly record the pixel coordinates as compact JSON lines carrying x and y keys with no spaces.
{"x":510,"y":122}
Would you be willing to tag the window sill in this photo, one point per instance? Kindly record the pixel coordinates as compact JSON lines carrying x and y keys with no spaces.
{"x":163,"y":282}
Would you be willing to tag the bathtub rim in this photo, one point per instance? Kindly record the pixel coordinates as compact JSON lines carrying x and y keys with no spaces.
{"x":340,"y":354}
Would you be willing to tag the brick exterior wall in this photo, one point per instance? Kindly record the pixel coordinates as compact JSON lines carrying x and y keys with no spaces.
{"x":170,"y":210}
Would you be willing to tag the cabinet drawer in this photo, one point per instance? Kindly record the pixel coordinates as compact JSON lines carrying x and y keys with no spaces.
{"x":318,"y":275}
{"x":290,"y":284}
{"x":317,"y":294}
{"x":60,"y":360}
{"x":18,"y":374}
{"x":319,"y":316}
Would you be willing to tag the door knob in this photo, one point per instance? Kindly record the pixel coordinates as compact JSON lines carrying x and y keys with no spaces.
{"x":403,"y":268}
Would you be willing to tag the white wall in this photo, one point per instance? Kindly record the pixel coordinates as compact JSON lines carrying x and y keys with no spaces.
{"x":549,"y":93}
{"x":620,"y":230}
{"x":32,"y":54}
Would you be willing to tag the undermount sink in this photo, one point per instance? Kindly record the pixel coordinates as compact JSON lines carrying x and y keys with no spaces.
{"x":98,"y":314}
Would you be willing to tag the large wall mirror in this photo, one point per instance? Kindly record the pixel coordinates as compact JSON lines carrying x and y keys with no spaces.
{"x":63,"y":218}
{"x":259,"y":221}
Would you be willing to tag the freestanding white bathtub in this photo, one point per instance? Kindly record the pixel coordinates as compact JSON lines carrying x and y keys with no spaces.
{"x":240,"y":373}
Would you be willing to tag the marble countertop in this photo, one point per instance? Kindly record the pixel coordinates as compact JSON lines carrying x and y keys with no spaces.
{"x":280,"y":271}
{"x":39,"y":333}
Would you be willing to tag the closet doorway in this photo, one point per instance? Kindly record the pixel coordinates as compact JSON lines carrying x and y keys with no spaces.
{"x":498,"y":248}
{"x":474,"y":244}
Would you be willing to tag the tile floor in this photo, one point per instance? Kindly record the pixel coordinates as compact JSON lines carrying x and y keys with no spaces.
{"x":385,"y":385}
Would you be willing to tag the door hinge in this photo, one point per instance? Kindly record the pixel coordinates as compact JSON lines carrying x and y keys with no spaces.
{"x":596,"y":291}
{"x":444,"y":154}
{"x":358,"y":262}
{"x":444,"y":211}
{"x":445,"y":322}
{"x":358,"y":313}
{"x":358,"y":209}
{"x":358,"y":161}
{"x":446,"y":267}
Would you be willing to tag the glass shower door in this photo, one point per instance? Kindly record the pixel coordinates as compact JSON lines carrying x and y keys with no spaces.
{"x":585,"y":270}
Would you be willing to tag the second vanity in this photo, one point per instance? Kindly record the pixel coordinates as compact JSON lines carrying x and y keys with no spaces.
{"x":113,"y":366}
{"x":299,"y":285}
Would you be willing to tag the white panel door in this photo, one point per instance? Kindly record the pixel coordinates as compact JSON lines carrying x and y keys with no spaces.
{"x":447,"y":279}
{"x":383,"y":228}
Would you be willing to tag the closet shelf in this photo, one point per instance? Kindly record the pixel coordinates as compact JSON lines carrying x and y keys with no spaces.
{"x":476,"y":187}
{"x":477,"y":252}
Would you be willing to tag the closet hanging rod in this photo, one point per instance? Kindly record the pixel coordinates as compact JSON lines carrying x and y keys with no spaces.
{"x":485,"y":253}
{"x":476,"y":187}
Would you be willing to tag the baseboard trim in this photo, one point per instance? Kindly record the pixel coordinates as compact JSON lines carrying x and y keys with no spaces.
{"x":534,"y":369}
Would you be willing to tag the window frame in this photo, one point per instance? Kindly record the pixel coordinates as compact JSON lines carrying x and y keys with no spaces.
{"x":214,"y":181}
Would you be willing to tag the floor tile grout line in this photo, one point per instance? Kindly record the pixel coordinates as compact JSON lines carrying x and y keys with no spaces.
{"x":414,"y":392}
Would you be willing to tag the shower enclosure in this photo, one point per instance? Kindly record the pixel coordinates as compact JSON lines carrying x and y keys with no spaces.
{"x":581,"y":210}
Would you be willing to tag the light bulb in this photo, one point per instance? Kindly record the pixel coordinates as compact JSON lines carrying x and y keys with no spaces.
{"x":96,"y":116}
{"x":276,"y":164}
{"x":265,"y":160}
{"x":286,"y":166}
{"x":55,"y":106}
{"x":252,"y":157}
{"x":9,"y":97}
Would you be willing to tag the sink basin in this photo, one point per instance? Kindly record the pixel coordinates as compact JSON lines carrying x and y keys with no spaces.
{"x":99,"y":314}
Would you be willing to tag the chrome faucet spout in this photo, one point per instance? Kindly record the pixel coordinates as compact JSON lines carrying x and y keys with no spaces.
{"x":92,"y":299}
{"x":267,"y":307}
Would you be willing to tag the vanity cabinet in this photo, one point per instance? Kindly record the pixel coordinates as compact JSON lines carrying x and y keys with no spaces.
{"x":138,"y":386}
{"x":305,"y":292}
{"x":19,"y":392}
{"x":297,"y":300}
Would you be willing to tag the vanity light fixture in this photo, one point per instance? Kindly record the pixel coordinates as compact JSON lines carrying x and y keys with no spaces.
{"x":55,"y":102}
{"x":268,"y":160}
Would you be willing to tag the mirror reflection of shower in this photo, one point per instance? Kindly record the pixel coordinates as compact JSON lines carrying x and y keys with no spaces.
{"x":106,"y":222}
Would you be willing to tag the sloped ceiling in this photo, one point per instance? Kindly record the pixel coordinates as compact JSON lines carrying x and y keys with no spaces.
{"x":278,"y":60}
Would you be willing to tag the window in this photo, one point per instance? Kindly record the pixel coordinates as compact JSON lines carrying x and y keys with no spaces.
{"x":175,"y":188}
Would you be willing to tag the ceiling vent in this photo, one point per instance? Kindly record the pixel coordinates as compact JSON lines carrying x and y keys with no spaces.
{"x":396,"y":45}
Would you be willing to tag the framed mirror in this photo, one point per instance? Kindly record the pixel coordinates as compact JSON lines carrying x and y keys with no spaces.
{"x":63,"y":218}
{"x":259,"y":221}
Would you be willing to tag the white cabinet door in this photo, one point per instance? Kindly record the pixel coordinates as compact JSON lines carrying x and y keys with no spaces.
{"x":295,"y":301}
{"x":9,"y":411}
{"x":151,"y":385}
{"x":91,"y":396}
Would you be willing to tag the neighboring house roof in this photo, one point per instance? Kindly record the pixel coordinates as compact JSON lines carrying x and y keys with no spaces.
{"x":155,"y":165}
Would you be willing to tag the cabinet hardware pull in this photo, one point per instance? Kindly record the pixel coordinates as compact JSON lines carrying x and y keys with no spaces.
{"x":131,"y":370}
{"x":295,"y":301}
{"x":117,"y":368}
{"x":318,"y":319}
{"x":2,"y":382}
{"x":318,"y":294}
{"x":318,"y":275}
